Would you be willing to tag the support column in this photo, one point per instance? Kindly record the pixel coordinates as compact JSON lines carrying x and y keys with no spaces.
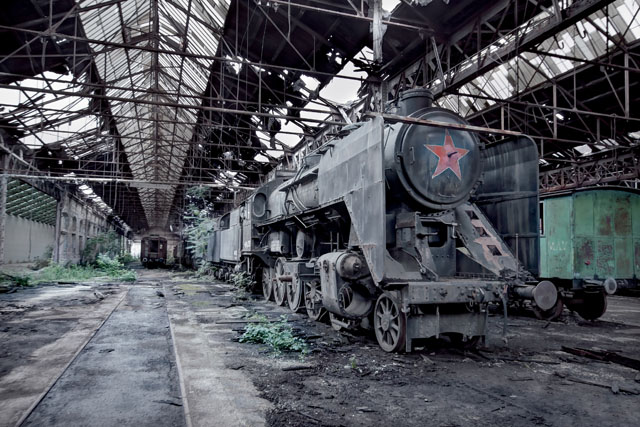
{"x":626,"y":85}
{"x":377,"y":32}
{"x":56,"y":240}
{"x":4,"y":181}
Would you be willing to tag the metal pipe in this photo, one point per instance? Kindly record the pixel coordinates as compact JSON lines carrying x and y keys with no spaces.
{"x":128,"y":181}
{"x":416,"y":121}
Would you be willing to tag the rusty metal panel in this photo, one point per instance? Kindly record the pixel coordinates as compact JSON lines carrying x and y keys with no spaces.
{"x":559,"y":237}
{"x":624,"y":257}
{"x":605,"y":258}
{"x":603,"y":213}
{"x":583,"y":214}
{"x":635,"y":216}
{"x":585,"y":261}
{"x":622,"y":214}
{"x":544,"y":265}
{"x":606,"y":231}
{"x":636,"y":250}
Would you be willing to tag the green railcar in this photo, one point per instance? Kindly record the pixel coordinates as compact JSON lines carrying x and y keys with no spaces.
{"x":590,"y":244}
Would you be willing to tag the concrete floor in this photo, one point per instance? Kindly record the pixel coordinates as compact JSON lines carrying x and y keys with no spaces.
{"x":70,"y":357}
{"x":126,"y":375}
{"x":163,"y":352}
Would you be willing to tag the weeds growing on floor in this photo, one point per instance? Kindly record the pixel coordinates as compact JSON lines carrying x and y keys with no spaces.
{"x":242,"y":281}
{"x":105,"y":266}
{"x":206,"y":270}
{"x":278,"y":336}
{"x":9,"y":280}
{"x":103,"y":243}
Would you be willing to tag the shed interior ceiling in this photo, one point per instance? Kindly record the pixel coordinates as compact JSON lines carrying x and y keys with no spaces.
{"x":138,"y":99}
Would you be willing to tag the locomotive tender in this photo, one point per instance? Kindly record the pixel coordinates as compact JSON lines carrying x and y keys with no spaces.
{"x":378,"y":229}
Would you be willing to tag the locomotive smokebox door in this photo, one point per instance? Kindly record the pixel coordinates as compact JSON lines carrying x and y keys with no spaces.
{"x":438,"y":167}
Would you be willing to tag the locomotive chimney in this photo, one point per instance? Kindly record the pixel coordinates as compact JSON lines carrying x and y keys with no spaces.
{"x":413,"y":100}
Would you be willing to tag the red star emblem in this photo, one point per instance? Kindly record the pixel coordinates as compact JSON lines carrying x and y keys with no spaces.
{"x":448,"y":156}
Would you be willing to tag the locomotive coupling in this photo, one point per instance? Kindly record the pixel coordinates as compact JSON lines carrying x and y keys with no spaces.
{"x":544,"y":294}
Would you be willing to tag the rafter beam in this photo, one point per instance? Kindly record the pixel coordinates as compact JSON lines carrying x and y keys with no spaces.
{"x":529,"y":40}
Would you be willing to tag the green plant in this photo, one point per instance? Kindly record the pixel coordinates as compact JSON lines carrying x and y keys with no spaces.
{"x":105,"y":266}
{"x":128,"y":276}
{"x":277,"y":335}
{"x":197,"y":221}
{"x":205,"y":269}
{"x":352,"y":361}
{"x":242,"y":280}
{"x":16,"y":280}
{"x":105,"y":263}
{"x":45,"y":260}
{"x":55,"y":272}
{"x":127,"y":258}
{"x":103,"y":243}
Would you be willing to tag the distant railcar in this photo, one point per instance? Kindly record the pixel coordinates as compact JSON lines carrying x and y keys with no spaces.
{"x":590,"y":245}
{"x":153,"y":251}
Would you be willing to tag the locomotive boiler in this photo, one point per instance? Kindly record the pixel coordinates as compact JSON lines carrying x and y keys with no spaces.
{"x":382,"y":228}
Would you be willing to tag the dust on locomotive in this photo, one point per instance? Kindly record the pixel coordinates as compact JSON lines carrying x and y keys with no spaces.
{"x":376,"y":229}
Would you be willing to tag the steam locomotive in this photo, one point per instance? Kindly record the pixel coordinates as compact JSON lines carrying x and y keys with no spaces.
{"x":404,"y":228}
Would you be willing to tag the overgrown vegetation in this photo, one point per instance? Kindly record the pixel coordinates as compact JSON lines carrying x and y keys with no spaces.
{"x":206,"y":270}
{"x":198,"y":222}
{"x":127,"y":258}
{"x":104,"y":243}
{"x":45,"y":260}
{"x":278,"y":336}
{"x":8,"y":280}
{"x":243,"y":281}
{"x":105,"y":266}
